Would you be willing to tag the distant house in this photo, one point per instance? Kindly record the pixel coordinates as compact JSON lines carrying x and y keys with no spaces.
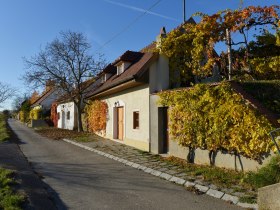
{"x":67,"y":110}
{"x":41,"y":108}
{"x":44,"y":102}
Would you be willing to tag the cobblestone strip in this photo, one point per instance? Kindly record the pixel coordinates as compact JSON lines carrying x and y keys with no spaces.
{"x":211,"y":192}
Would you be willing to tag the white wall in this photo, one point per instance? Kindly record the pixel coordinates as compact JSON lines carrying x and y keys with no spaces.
{"x":72,"y":122}
{"x":159,"y":75}
{"x":133,"y":99}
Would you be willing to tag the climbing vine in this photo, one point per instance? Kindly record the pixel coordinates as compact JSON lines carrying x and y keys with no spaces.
{"x":96,"y":115}
{"x":217,"y":118}
{"x":35,"y":114}
{"x":190,"y":48}
{"x":54,"y":114}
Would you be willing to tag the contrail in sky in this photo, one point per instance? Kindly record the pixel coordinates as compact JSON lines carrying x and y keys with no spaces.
{"x":140,"y":10}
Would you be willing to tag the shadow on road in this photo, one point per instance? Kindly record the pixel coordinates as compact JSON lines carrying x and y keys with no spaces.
{"x":40,"y":195}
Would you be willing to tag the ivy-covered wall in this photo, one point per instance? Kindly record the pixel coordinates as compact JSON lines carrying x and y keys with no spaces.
{"x":216,"y":118}
{"x":96,"y":115}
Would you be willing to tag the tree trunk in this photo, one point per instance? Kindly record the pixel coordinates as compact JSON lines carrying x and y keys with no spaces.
{"x":79,"y":117}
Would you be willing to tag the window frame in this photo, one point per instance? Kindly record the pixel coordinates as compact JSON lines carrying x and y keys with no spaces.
{"x":136,"y":121}
{"x":68,"y":115}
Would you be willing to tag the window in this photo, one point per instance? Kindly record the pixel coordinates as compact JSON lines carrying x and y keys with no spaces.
{"x":136,"y":120}
{"x":120,"y":69}
{"x":103,"y":78}
{"x":68,"y":115}
{"x":58,"y":115}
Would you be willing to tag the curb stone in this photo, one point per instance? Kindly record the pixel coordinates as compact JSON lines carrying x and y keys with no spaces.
{"x":201,"y":188}
{"x":143,"y":168}
{"x":165,"y":176}
{"x":233,"y":199}
{"x":156,"y":173}
{"x":209,"y":191}
{"x":189,"y":184}
{"x":177,"y":180}
{"x":215,"y":193}
{"x":247,"y":205}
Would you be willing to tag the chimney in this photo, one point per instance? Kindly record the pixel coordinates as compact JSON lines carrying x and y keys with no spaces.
{"x":161,"y":35}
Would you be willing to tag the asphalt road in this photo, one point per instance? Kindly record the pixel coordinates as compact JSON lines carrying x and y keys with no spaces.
{"x":84,"y":180}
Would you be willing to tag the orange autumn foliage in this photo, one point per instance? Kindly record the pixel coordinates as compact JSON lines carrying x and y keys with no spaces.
{"x":54,"y":115}
{"x":96,"y":115}
{"x":34,"y":97}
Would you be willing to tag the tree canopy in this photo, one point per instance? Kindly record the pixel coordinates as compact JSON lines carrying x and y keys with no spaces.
{"x":67,"y":62}
{"x":191,"y":47}
{"x":6,"y":92}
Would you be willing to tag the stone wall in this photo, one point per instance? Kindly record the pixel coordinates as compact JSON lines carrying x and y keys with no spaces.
{"x":225,"y":160}
{"x":268,"y":197}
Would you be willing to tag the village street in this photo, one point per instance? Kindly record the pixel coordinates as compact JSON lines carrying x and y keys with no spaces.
{"x":85,"y":180}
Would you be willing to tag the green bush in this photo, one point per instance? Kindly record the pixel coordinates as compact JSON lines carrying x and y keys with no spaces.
{"x":267,"y":175}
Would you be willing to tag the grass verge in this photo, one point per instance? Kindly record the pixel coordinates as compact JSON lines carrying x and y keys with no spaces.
{"x":267,"y":175}
{"x":4,"y":134}
{"x":9,"y":199}
{"x":221,"y":177}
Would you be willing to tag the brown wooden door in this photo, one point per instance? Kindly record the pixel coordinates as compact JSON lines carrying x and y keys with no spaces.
{"x":165,"y":130}
{"x":120,"y":123}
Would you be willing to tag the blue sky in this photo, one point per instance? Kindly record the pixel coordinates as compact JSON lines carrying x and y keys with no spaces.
{"x":27,"y":25}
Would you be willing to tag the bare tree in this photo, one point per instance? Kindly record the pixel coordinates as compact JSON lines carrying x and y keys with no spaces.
{"x":65,"y":61}
{"x":6,"y":92}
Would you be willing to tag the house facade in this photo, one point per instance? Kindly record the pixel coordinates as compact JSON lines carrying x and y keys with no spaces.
{"x":67,"y":116}
{"x":67,"y":112}
{"x":45,"y":101}
{"x":127,"y":94}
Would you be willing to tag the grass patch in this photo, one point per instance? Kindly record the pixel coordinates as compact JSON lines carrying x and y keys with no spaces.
{"x":267,"y":175}
{"x":4,"y":134}
{"x":9,"y":199}
{"x":58,"y":134}
{"x":221,"y":177}
{"x":248,"y":199}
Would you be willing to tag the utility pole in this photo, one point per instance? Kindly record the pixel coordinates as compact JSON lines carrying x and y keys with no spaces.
{"x":184,"y":11}
{"x":228,"y":39}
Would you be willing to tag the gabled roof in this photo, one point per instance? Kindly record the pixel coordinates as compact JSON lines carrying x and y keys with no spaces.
{"x":111,"y":69}
{"x":128,"y":56}
{"x":44,"y":96}
{"x":139,"y":64}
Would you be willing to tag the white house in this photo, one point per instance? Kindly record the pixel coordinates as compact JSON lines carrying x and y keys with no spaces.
{"x":67,"y":115}
{"x":67,"y":110}
{"x":127,"y":93}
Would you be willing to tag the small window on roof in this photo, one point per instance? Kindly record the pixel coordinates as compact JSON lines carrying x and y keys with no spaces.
{"x":103,"y":78}
{"x":120,"y":68}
